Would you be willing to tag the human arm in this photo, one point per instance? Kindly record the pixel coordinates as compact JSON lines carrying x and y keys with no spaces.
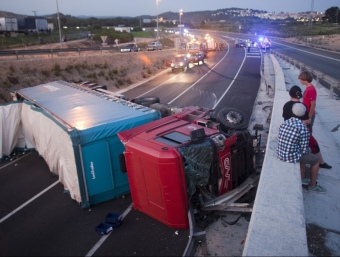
{"x":312,"y":109}
{"x":304,"y":141}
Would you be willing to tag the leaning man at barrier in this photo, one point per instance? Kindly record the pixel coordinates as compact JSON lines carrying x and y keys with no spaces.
{"x":293,"y":147}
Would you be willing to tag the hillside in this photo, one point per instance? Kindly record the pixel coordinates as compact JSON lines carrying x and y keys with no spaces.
{"x":115,"y":70}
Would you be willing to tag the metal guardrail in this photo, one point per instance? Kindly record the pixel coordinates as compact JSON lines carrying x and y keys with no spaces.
{"x":18,"y":53}
{"x":322,"y":79}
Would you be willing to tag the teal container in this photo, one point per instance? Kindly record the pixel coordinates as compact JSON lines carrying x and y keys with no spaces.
{"x":92,"y":121}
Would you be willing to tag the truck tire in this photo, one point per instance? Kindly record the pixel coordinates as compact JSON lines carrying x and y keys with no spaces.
{"x":232,"y":118}
{"x":146,"y":101}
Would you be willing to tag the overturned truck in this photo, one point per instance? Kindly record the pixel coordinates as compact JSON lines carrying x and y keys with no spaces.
{"x":171,"y":159}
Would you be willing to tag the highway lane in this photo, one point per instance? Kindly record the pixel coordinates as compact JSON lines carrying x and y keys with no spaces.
{"x":325,"y":61}
{"x":229,"y":78}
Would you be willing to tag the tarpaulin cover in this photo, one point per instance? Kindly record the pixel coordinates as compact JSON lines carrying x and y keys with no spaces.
{"x":198,"y":162}
{"x":9,"y":127}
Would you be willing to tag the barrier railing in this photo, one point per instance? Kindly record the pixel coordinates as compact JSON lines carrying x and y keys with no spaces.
{"x":322,"y":79}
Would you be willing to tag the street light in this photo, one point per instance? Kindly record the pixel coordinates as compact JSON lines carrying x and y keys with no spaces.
{"x":180,"y":13}
{"x":157,"y":19}
{"x":61,"y":44}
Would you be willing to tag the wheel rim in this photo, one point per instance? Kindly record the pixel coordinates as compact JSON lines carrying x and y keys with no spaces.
{"x":234,"y":117}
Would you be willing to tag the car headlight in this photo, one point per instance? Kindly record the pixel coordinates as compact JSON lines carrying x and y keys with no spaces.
{"x":172,"y":65}
{"x":181,"y":64}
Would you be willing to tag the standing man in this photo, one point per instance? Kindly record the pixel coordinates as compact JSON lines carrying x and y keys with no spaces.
{"x":309,"y":99}
{"x":293,"y":147}
{"x":309,"y":95}
{"x":248,"y":45}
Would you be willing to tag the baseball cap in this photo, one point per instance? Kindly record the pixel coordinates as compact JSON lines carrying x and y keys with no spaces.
{"x":295,"y":92}
{"x":299,"y":110}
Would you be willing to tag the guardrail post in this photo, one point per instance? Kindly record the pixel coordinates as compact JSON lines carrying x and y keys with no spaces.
{"x":332,"y":85}
{"x":301,"y":67}
{"x":51,"y":50}
{"x":78,"y":51}
{"x":16,"y":52}
{"x":317,"y":79}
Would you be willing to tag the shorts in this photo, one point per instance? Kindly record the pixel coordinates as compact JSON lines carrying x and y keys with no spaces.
{"x":309,"y":158}
{"x":313,"y":144}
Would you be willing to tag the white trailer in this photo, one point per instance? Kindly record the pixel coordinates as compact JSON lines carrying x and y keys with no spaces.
{"x":41,"y":24}
{"x":211,"y":44}
{"x":8,"y":25}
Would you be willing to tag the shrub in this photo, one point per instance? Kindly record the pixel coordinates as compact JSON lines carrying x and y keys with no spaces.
{"x":101,"y":74}
{"x":11,"y":68}
{"x":13,"y":80}
{"x":69,"y":68}
{"x":56,"y":69}
{"x":46,"y":72}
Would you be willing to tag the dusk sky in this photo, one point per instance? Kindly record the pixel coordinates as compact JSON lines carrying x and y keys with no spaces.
{"x":149,"y":7}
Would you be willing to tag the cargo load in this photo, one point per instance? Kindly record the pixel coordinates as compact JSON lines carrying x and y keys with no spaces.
{"x":75,"y":130}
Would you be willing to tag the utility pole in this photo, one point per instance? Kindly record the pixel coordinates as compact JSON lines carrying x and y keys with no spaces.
{"x":35,"y":13}
{"x":61,"y":43}
{"x":157,"y":20}
{"x":310,"y":15}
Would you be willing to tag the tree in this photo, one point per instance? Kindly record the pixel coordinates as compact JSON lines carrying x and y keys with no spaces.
{"x":332,"y":15}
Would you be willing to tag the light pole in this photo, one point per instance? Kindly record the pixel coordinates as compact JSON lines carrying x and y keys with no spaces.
{"x":180,"y":13}
{"x":61,"y":44}
{"x":157,"y":20}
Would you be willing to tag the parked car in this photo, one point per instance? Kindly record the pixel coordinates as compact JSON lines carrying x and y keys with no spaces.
{"x":180,"y":61}
{"x":240,"y":43}
{"x":196,"y":57}
{"x":154,"y":46}
{"x":129,"y":48}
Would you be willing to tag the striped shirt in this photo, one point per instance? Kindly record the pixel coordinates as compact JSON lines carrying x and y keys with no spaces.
{"x":293,"y":140}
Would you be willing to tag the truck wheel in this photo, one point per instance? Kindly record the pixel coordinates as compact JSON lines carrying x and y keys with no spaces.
{"x":146,"y":101}
{"x":232,"y":118}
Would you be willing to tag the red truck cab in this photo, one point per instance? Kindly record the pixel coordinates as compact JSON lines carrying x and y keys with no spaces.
{"x":160,"y":170}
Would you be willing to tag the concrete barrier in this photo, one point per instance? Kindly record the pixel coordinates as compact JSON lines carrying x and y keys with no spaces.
{"x":277,"y":226}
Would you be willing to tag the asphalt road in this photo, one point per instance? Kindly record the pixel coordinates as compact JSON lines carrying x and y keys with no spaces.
{"x":38,"y":218}
{"x":325,"y":61}
{"x":54,"y":224}
{"x":229,"y":78}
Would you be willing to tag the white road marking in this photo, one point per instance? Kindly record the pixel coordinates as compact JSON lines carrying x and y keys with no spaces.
{"x":232,"y":82}
{"x":338,"y":60}
{"x":29,"y":201}
{"x":104,"y":237}
{"x":200,"y":78}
